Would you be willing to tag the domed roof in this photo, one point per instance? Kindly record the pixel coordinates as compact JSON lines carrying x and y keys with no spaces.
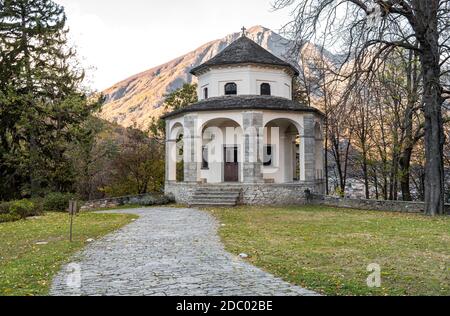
{"x":244,"y":51}
{"x":245,"y":102}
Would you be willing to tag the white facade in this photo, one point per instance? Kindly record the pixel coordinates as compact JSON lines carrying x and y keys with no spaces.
{"x":248,"y":79}
{"x":286,"y":132}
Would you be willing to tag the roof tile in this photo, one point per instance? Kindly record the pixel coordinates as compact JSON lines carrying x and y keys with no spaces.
{"x":243,"y":51}
{"x":244,"y":102}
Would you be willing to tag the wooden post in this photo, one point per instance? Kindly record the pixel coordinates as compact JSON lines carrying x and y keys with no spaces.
{"x":72,"y":212}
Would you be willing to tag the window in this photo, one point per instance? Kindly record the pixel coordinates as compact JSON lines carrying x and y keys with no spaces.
{"x":205,"y":93}
{"x":268,"y":155}
{"x":205,"y":158}
{"x":265,"y":89}
{"x":231,"y":89}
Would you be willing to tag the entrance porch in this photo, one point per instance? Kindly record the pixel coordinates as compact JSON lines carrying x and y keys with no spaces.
{"x":264,"y":157}
{"x":231,"y":194}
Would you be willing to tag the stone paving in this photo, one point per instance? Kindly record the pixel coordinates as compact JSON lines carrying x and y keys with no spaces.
{"x":166,"y":252}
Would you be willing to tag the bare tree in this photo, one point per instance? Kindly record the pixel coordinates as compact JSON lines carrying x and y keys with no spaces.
{"x":371,"y":30}
{"x":340,"y":133}
{"x":362,"y":123}
{"x":316,"y":86}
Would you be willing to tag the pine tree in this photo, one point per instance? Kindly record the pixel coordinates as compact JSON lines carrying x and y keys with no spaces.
{"x":41,"y":97}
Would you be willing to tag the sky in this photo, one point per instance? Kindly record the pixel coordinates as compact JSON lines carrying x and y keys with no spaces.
{"x":117,"y":39}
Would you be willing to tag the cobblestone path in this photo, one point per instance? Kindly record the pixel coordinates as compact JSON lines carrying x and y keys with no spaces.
{"x":166,"y":252}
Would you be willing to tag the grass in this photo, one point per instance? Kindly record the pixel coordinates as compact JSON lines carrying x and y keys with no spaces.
{"x":328,"y":250}
{"x":27,"y":269}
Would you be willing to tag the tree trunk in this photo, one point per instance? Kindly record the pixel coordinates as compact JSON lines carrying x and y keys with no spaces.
{"x":327,"y":180}
{"x":434,"y":138}
{"x":366,"y":173}
{"x":405,"y":173}
{"x":377,"y":194}
{"x":385,"y":187}
{"x":428,"y":37}
{"x":393,"y":184}
{"x":337,"y":159}
{"x":404,"y":163}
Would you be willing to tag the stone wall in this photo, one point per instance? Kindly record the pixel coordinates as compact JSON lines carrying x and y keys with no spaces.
{"x":252,"y":194}
{"x":145,"y":200}
{"x":182,"y":192}
{"x":374,"y":205}
{"x":274,"y":194}
{"x":295,"y":194}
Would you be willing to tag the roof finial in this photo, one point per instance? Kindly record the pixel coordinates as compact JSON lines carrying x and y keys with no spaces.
{"x":244,"y":31}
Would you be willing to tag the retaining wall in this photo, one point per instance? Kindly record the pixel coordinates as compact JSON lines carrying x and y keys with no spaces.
{"x":144,"y":200}
{"x":374,"y":205}
{"x":252,"y":193}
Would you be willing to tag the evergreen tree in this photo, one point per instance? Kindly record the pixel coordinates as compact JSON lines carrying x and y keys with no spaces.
{"x":42,"y":102}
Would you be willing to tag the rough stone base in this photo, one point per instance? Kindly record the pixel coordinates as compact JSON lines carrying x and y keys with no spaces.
{"x":293,"y":194}
{"x":374,"y":205}
{"x":144,"y":199}
{"x":252,"y":194}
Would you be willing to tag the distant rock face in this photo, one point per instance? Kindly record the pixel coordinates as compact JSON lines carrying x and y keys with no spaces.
{"x":136,"y":100}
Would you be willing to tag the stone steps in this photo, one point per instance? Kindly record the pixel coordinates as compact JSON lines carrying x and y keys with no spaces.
{"x":215,"y":196}
{"x":209,"y":196}
{"x":217,"y":190}
{"x":208,"y":203}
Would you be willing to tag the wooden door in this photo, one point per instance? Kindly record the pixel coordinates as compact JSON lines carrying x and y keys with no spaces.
{"x":231,"y":164}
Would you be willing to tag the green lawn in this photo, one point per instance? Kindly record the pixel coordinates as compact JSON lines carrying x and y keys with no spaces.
{"x":329,"y":250}
{"x":27,"y":268}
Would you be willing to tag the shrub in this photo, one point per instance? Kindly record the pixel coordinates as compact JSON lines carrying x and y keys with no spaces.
{"x":57,"y":202}
{"x":38,"y":206}
{"x":6,"y":218}
{"x":154,"y":200}
{"x":4,"y":207}
{"x":22,"y":208}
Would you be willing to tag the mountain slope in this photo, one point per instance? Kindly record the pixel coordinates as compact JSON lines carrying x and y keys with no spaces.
{"x":136,"y":100}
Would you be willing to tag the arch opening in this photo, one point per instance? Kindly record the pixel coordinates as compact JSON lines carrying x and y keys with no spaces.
{"x":221,"y":151}
{"x":176,"y":154}
{"x":281,"y":152}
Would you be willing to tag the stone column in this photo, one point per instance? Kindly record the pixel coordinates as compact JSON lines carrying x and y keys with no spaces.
{"x":253,"y":147}
{"x":191,"y":150}
{"x":320,"y":151}
{"x":307,"y":149}
{"x":171,"y":156}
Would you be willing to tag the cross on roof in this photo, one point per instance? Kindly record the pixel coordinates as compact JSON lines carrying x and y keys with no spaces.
{"x":244,"y":31}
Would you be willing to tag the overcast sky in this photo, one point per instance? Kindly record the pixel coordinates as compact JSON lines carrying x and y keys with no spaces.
{"x":117,"y":39}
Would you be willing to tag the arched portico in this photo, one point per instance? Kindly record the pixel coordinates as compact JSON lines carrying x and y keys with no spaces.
{"x":175,"y":152}
{"x":222,"y":151}
{"x":281,"y":151}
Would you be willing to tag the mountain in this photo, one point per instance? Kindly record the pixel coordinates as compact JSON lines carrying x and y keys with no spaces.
{"x":136,"y":100}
